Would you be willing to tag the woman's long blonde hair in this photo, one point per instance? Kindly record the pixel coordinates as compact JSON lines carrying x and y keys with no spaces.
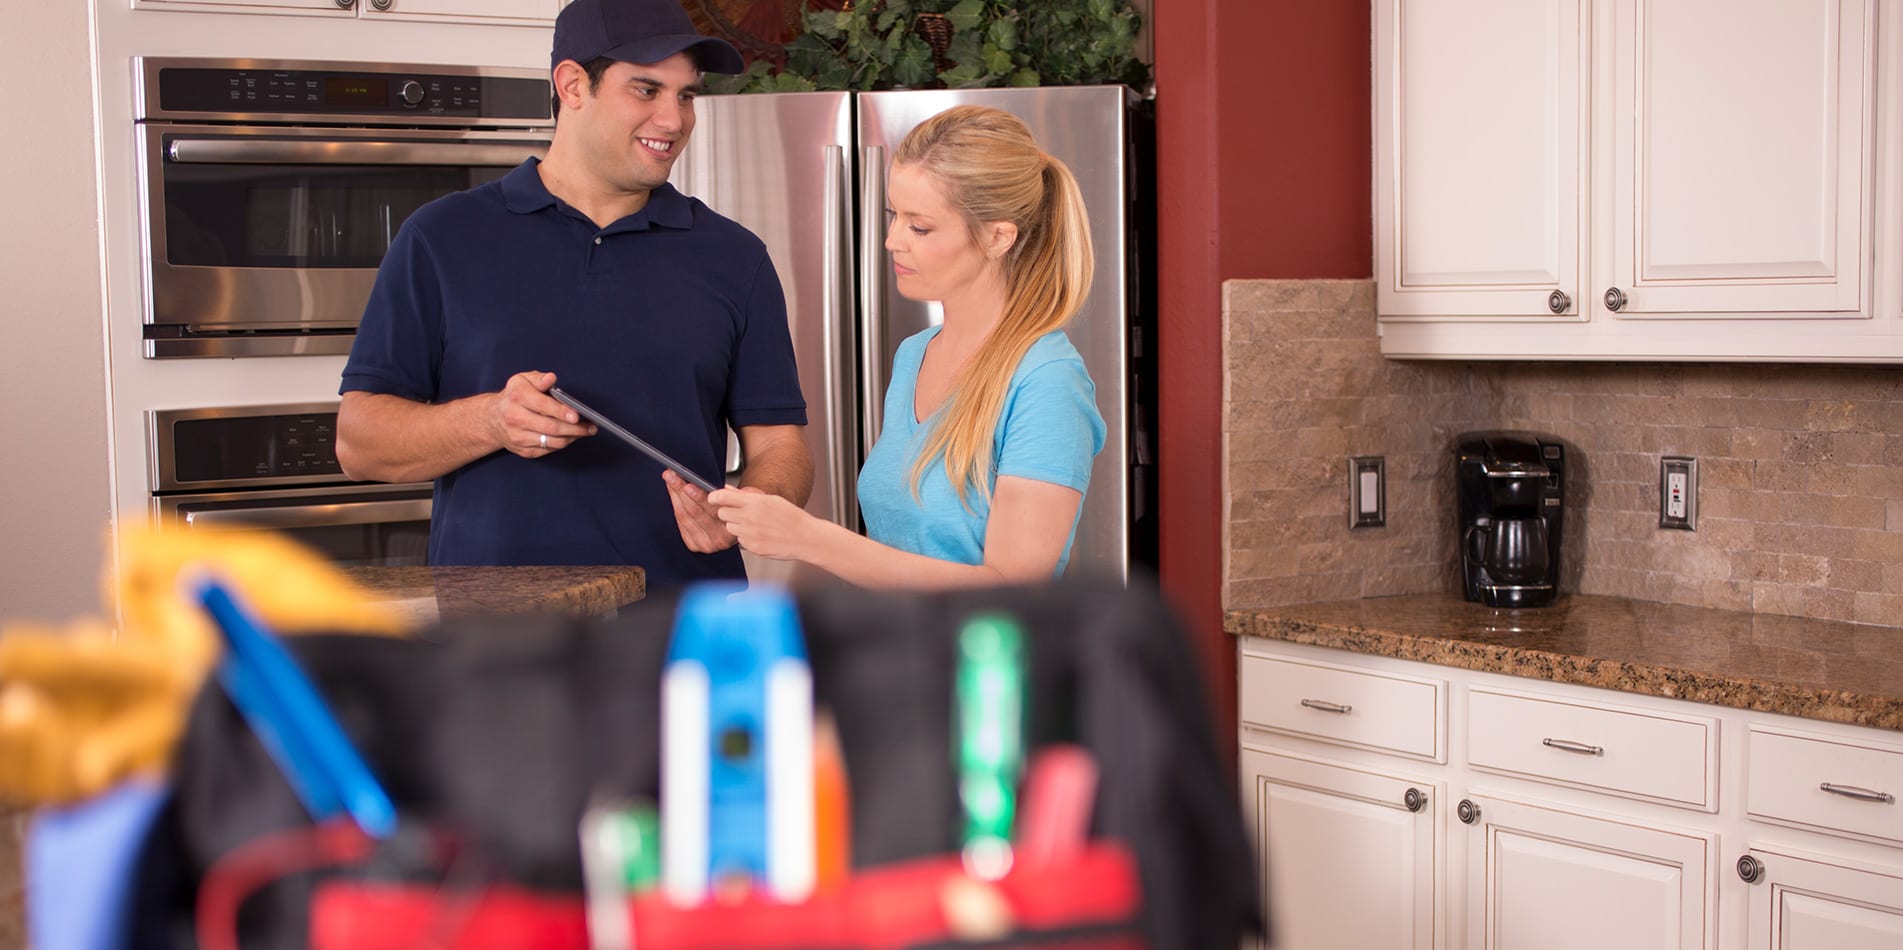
{"x":991,"y":170}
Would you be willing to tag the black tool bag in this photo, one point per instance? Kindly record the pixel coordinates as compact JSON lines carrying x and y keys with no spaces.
{"x":501,"y":729}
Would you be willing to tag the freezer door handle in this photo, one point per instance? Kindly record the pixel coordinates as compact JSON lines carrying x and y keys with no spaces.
{"x":837,"y":308}
{"x":872,"y":290}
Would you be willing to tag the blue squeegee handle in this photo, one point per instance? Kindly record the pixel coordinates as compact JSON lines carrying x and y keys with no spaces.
{"x":291,"y":719}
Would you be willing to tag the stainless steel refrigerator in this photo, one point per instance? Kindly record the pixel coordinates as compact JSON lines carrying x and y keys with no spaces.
{"x":806,"y":172}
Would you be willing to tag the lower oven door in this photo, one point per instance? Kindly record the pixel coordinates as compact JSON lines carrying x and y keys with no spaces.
{"x":352,"y":525}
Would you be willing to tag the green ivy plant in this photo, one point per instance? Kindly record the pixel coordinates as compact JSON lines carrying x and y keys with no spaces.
{"x":882,"y":44}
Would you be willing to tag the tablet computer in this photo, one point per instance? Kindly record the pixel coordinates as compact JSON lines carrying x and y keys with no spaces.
{"x":667,"y":461}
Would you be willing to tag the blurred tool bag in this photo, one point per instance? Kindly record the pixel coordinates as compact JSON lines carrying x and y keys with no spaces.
{"x":493,"y":736}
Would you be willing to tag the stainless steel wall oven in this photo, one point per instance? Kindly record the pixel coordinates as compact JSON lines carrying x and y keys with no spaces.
{"x":275,"y":468}
{"x":269,"y":190}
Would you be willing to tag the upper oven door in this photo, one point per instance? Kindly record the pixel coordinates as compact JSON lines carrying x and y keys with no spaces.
{"x":266,"y":241}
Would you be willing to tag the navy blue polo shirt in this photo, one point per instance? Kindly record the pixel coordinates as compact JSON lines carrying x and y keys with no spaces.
{"x":670,"y":321}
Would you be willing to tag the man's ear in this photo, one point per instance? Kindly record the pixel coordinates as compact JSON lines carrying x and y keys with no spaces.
{"x":1001,"y":236}
{"x":571,"y":83}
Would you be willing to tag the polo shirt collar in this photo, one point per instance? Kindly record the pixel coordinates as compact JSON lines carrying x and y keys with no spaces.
{"x":524,"y":193}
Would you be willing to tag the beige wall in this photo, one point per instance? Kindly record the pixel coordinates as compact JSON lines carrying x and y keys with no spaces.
{"x":55,"y":490}
{"x":1800,"y":499}
{"x":55,"y":485}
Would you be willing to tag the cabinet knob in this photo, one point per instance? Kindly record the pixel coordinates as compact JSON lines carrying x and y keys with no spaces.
{"x":1557,"y":301}
{"x":1750,"y":869}
{"x":1615,"y":299}
{"x":346,"y":4}
{"x":1415,"y":800}
{"x":1468,"y":811}
{"x":383,"y":4}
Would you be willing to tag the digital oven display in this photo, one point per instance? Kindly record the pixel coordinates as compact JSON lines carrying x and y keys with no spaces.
{"x":356,"y":91}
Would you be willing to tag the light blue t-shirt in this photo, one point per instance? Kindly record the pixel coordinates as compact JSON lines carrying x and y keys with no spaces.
{"x":1050,"y":431}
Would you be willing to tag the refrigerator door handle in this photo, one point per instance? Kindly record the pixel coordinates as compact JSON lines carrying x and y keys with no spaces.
{"x":872,"y":291}
{"x":838,"y":361}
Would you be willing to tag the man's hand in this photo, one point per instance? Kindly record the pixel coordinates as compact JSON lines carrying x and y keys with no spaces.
{"x":526,"y":420}
{"x":701,"y":530}
{"x":385,"y":438}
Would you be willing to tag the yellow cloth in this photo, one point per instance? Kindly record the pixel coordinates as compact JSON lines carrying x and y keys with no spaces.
{"x":83,"y":707}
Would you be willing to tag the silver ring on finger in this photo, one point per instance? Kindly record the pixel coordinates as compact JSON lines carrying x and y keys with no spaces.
{"x":545,"y":440}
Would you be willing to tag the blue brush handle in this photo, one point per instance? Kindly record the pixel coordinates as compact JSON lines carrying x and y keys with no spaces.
{"x":291,"y":719}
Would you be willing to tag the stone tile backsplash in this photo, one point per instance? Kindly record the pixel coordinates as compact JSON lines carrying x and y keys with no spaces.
{"x":1800,"y":488}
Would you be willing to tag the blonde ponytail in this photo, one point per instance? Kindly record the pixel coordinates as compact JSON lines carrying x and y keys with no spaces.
{"x":992,"y":170}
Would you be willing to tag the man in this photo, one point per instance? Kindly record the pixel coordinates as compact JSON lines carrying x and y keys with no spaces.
{"x":588,"y":269}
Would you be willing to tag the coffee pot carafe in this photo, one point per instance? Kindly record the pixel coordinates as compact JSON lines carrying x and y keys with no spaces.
{"x":1510,"y":498}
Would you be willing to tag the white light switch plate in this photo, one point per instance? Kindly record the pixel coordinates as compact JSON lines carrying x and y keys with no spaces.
{"x":1367,"y":491}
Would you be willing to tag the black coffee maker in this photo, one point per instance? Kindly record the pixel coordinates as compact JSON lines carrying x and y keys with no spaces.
{"x":1511,"y":489}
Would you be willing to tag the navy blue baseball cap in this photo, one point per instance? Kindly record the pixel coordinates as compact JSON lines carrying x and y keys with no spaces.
{"x":637,"y":31}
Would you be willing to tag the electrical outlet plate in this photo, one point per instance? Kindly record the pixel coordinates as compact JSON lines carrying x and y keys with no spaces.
{"x":1678,"y":492}
{"x":1367,"y":491}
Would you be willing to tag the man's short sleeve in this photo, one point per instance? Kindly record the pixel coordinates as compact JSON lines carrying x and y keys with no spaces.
{"x":764,"y":388}
{"x":399,"y":341}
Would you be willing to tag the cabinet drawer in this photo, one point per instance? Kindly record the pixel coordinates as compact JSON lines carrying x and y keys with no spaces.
{"x":1629,"y":752}
{"x":1342,"y":705}
{"x":1785,"y":776}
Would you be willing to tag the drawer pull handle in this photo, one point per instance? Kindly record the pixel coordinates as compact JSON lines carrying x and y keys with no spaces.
{"x":1326,"y":706}
{"x":1860,"y":794}
{"x":1568,"y":745}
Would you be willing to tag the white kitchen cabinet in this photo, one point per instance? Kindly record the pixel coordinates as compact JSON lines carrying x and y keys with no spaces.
{"x":1625,"y":179}
{"x":1480,"y":132}
{"x":496,"y":11}
{"x":1549,"y":879}
{"x":1742,"y":156}
{"x":1800,"y":904}
{"x":1625,"y":830}
{"x":506,"y":12}
{"x":1351,"y":854}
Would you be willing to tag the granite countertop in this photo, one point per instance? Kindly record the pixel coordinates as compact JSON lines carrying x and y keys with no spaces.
{"x":428,"y":594}
{"x":1817,"y":669}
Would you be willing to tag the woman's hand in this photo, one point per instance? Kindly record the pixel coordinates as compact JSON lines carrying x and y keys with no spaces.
{"x":767,"y":525}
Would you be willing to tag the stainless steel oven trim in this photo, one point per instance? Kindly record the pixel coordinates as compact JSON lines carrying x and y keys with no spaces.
{"x":314,"y":507}
{"x":145,"y":72}
{"x":311,"y":149}
{"x":159,"y":446}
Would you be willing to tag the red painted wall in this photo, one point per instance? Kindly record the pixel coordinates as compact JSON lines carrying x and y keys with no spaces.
{"x":1264,"y":166}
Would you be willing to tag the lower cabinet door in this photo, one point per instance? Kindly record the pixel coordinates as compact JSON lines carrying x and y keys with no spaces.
{"x":1539,"y":878}
{"x":1810,"y":905}
{"x":1347,"y":856}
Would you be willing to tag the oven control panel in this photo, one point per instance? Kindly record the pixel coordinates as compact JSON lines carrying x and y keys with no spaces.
{"x":207,"y":448}
{"x":198,"y":88}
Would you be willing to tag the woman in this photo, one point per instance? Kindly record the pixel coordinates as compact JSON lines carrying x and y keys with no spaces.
{"x":991,"y":420}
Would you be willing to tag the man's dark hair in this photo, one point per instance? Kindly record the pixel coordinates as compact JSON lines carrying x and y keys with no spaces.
{"x":596,"y":68}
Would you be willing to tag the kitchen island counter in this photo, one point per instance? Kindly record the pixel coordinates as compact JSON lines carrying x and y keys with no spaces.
{"x":1816,"y":669}
{"x":428,"y":594}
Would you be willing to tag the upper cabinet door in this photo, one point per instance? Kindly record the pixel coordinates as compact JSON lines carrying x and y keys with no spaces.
{"x":486,"y":11}
{"x":1479,"y":147}
{"x":1742,"y":156}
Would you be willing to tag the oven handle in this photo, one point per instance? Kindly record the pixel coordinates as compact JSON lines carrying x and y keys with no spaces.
{"x":281,"y":152}
{"x":314,"y":516}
